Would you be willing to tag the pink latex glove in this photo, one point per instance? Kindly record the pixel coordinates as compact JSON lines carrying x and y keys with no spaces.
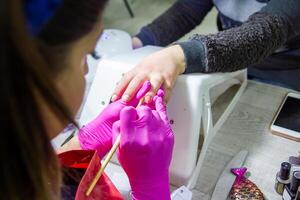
{"x":145,"y":150}
{"x":97,"y":134}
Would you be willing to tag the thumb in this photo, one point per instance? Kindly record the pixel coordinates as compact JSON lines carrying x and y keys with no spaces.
{"x":141,"y":93}
{"x":115,"y":131}
{"x":161,"y":109}
{"x":144,"y":113}
{"x":127,"y":116}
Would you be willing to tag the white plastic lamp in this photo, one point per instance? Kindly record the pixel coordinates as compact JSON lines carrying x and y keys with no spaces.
{"x":113,"y":42}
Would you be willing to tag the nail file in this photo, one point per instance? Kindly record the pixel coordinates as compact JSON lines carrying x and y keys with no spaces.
{"x":227,"y":179}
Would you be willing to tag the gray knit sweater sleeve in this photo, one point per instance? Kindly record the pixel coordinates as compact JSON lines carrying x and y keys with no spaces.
{"x":250,"y":43}
{"x":179,"y":19}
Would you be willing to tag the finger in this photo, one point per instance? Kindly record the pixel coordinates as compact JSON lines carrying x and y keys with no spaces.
{"x":160,"y":93}
{"x":144,"y":113}
{"x":141,"y":93}
{"x":161,"y":109}
{"x":156,"y":82}
{"x":115,"y":131}
{"x":132,"y":87}
{"x":154,"y":98}
{"x":151,"y":105}
{"x":155,"y":114}
{"x":167,"y":95}
{"x":167,"y":91}
{"x":127,"y":116}
{"x":121,"y":86}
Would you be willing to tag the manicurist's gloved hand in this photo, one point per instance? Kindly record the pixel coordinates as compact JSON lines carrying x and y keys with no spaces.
{"x":98,"y":133}
{"x":145,"y":150}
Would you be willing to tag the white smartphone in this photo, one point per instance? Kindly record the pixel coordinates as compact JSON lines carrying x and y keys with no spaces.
{"x":286,"y":122}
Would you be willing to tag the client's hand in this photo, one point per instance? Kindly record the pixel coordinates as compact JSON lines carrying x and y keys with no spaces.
{"x":145,"y":150}
{"x":160,"y":68}
{"x":98,"y":133}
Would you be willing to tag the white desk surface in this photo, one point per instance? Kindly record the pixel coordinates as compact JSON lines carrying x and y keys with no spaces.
{"x":248,"y":128}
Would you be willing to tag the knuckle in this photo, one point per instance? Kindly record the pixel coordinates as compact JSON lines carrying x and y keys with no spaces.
{"x":141,"y":76}
{"x":157,"y":76}
{"x":168,"y":83}
{"x":127,"y":76}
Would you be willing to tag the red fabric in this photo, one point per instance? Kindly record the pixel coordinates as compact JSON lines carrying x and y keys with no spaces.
{"x":89,"y":160}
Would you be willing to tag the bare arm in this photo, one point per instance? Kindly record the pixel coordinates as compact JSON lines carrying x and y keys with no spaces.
{"x":72,"y":144}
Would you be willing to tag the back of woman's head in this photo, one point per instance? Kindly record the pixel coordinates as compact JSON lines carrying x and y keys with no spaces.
{"x":29,"y":168}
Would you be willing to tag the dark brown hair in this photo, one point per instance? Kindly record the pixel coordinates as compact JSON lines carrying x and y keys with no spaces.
{"x":29,"y":167}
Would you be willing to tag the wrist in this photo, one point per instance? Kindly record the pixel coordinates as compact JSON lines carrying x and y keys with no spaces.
{"x":195,"y":56}
{"x":155,"y":189}
{"x":177,"y":55}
